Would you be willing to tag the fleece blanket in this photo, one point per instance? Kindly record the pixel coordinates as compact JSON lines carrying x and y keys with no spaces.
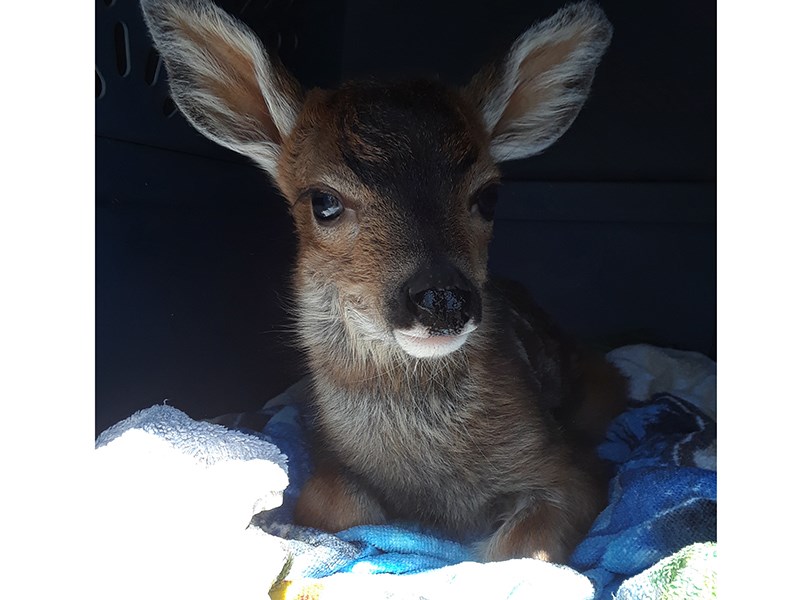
{"x":662,"y":504}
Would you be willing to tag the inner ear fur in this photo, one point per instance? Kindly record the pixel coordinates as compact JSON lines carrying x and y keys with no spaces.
{"x":222,"y":79}
{"x":533,"y":95}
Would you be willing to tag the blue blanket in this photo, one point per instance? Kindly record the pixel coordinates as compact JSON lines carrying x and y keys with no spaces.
{"x":662,"y":499}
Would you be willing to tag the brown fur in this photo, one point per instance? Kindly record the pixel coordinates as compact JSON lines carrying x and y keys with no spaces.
{"x":491,"y":438}
{"x":330,"y":497}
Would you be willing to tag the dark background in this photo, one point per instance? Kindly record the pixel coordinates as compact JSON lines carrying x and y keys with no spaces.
{"x":613,"y":229}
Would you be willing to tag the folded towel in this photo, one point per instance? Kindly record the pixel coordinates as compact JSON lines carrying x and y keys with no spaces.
{"x":206,"y":443}
{"x":173,"y":503}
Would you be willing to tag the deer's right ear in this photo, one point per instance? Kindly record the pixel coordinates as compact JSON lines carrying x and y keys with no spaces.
{"x":222,"y":78}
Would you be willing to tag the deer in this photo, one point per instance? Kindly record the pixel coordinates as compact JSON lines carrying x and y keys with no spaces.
{"x":440,"y":394}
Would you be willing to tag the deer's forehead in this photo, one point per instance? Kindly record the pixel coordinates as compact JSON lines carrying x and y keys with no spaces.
{"x":403,"y":141}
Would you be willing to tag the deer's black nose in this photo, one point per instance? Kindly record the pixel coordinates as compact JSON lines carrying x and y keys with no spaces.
{"x":441,"y":299}
{"x":443,"y":311}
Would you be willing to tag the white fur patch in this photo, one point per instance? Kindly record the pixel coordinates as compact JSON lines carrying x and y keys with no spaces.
{"x":420,"y":343}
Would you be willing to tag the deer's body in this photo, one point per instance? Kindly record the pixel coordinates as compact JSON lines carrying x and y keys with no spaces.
{"x":435,"y":390}
{"x":448,"y":444}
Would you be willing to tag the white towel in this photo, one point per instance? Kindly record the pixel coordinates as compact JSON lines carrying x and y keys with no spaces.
{"x":174,"y":500}
{"x":689,"y":375}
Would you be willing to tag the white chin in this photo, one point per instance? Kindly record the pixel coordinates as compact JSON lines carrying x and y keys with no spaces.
{"x":421,"y":344}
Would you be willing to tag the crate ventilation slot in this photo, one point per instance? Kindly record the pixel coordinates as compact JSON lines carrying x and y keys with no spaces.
{"x":122,"y":49}
{"x":152,"y":68}
{"x":169,"y":108}
{"x":99,"y":85}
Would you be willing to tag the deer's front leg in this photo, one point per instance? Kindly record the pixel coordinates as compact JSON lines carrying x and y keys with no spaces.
{"x":332,"y":501}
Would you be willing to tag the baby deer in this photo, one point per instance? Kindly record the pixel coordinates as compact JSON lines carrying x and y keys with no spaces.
{"x":440,"y":395}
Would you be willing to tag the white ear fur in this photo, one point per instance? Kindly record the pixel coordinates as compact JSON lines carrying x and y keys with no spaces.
{"x":222,"y":79}
{"x":532,"y":97}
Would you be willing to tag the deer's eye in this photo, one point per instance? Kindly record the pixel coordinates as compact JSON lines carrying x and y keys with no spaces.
{"x":326,"y":206}
{"x":485,"y":201}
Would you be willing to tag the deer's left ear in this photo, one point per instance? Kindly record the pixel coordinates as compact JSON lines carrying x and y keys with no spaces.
{"x":532,"y":97}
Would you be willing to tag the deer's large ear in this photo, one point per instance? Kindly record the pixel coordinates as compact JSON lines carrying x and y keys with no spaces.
{"x":530,"y":98}
{"x":222,"y":79}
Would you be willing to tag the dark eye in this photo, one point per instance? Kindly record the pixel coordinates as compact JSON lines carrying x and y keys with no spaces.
{"x":485,"y":202}
{"x":326,"y":206}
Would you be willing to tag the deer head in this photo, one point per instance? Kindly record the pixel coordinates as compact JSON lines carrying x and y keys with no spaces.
{"x":392,"y":186}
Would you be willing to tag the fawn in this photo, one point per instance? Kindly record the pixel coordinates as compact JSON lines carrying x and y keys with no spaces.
{"x":439,"y":394}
